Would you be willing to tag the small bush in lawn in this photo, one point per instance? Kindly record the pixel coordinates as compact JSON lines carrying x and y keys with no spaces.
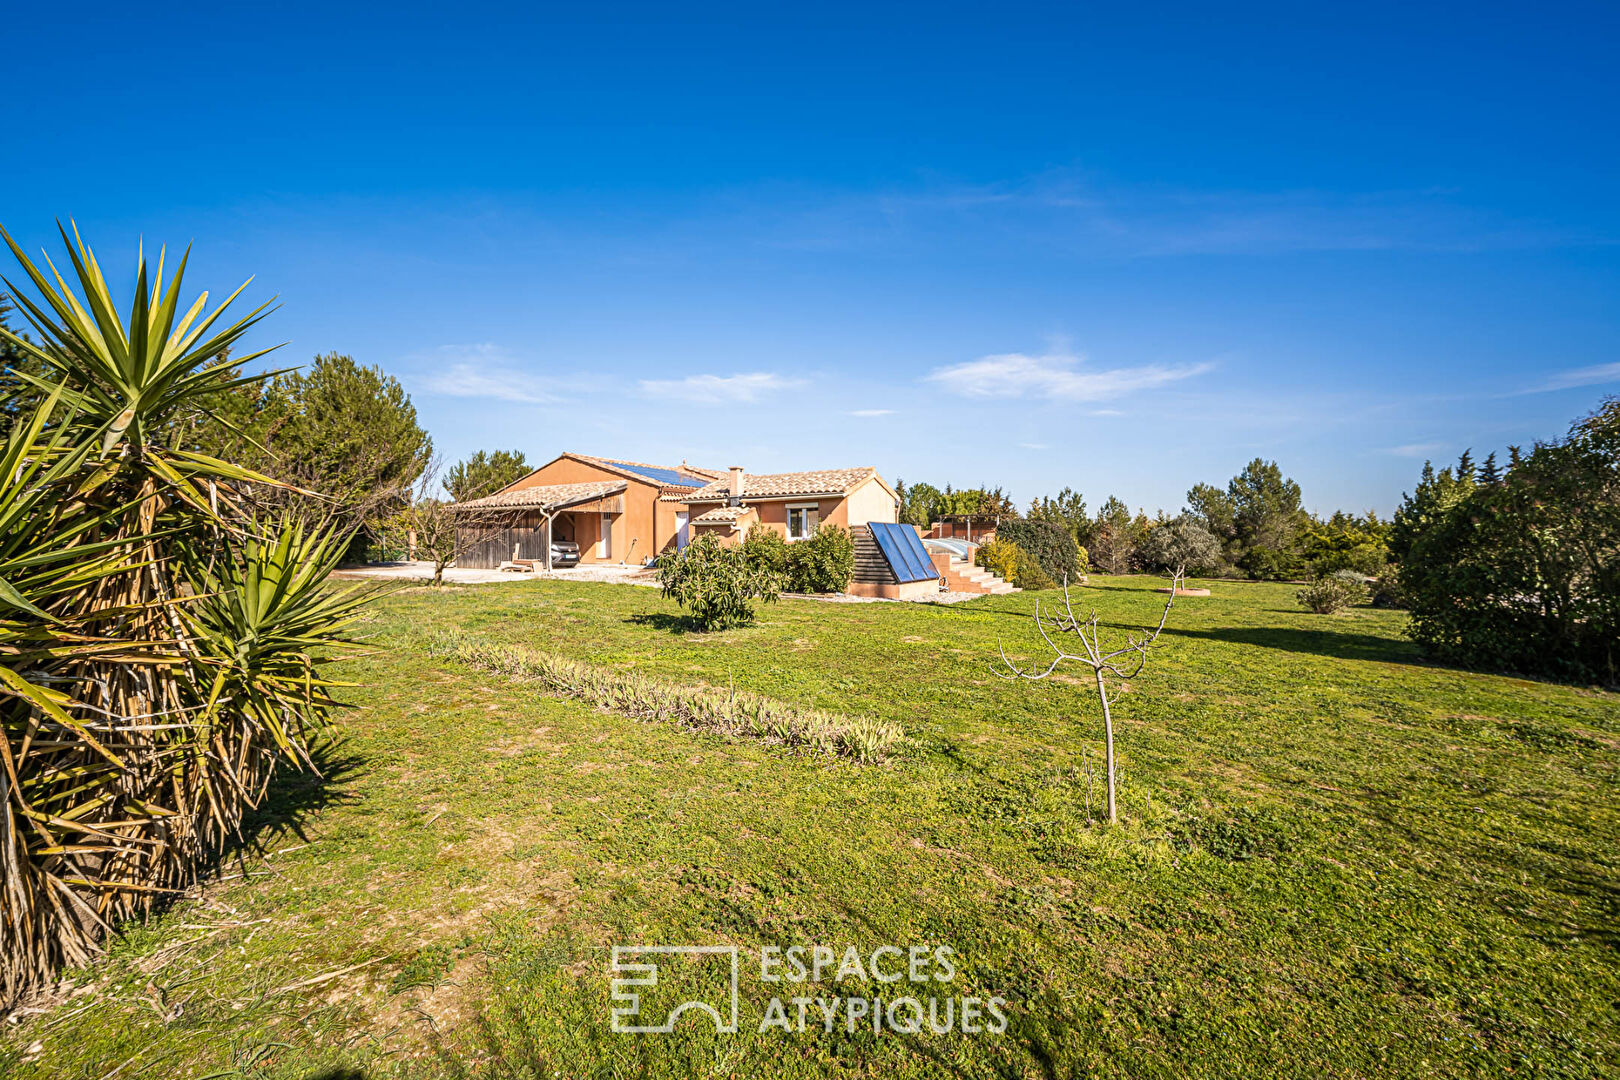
{"x":822,"y":564}
{"x":1387,"y":591}
{"x":717,"y":584}
{"x":1330,"y":594}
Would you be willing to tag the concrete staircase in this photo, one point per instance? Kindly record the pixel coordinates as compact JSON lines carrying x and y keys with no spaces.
{"x":962,"y":576}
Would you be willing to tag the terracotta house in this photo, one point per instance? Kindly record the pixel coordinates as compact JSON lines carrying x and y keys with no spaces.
{"x":613,"y":509}
{"x":793,"y":504}
{"x":621,"y":511}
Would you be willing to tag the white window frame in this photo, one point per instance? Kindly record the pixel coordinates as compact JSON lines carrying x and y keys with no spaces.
{"x":815,"y":506}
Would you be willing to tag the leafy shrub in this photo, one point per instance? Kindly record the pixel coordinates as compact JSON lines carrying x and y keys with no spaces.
{"x":1181,"y":542}
{"x":1269,"y":564}
{"x":1522,"y":572}
{"x":1387,"y":591}
{"x":717,"y":584}
{"x":1012,"y":563}
{"x":999,"y":557}
{"x":767,"y":548}
{"x":1330,"y":594}
{"x":1031,"y":575}
{"x":822,"y":564}
{"x":1050,"y":544}
{"x":1346,"y":542}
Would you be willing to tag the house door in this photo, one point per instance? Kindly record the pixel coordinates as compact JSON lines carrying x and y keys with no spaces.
{"x":604,"y":538}
{"x":682,"y":531}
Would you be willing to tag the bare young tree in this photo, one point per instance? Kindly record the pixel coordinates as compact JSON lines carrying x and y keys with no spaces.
{"x":440,"y":531}
{"x":1123,"y":663}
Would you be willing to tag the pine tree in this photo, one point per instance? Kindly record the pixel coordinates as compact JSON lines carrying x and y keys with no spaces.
{"x":1465,"y":465}
{"x":484,"y":474}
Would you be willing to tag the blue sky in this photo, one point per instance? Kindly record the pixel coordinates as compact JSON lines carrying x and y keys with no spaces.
{"x":1120,"y":248}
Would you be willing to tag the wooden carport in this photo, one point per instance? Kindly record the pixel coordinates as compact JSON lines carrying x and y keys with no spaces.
{"x":517,"y":525}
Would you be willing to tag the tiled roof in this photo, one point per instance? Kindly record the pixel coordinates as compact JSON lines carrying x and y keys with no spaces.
{"x":781,"y":485}
{"x":546,"y":495}
{"x":722,"y":514}
{"x":671,"y":476}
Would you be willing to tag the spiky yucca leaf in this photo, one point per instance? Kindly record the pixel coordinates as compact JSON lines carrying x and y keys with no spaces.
{"x":158,"y":658}
{"x":264,"y":623}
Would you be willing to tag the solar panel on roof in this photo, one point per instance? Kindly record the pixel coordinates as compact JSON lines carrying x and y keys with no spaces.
{"x":903,"y":551}
{"x":662,"y":476}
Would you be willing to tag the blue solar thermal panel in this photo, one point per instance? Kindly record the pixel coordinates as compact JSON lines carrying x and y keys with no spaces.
{"x":904,"y":551}
{"x":662,"y":476}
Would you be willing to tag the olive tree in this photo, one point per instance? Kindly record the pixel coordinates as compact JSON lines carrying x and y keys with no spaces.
{"x":1181,"y":541}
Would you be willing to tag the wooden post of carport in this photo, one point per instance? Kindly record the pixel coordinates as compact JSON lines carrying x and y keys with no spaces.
{"x":546,"y":538}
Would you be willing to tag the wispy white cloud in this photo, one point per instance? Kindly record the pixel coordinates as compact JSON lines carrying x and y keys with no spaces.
{"x":1415,"y":450}
{"x":1035,"y":446}
{"x":720,"y":389}
{"x":1569,"y":380}
{"x":1077,"y":210}
{"x":1106,"y":412}
{"x":1018,"y":375}
{"x":486,"y":371}
{"x":869,"y":413}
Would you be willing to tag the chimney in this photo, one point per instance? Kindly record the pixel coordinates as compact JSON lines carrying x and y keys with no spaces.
{"x":736,"y":481}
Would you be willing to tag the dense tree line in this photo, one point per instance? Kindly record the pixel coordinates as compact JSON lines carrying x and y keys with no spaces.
{"x":1518,"y":569}
{"x":1254,"y":526}
{"x":1511,"y":567}
{"x":923,"y":504}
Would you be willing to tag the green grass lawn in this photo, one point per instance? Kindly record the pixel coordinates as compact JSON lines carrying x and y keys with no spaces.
{"x":1335,"y":860}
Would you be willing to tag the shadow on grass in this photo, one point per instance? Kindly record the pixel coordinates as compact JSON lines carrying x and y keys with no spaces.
{"x":293,"y":797}
{"x":1591,"y":911}
{"x":674,"y":624}
{"x":969,"y":607}
{"x":1344,"y":646}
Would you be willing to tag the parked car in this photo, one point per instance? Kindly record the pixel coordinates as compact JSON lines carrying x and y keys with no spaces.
{"x":564,"y":553}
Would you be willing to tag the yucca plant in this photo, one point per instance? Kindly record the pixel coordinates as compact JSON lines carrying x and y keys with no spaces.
{"x":262,"y":624}
{"x":158,"y":651}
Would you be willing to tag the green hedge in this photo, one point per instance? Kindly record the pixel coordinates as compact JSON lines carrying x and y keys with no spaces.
{"x":1051,"y":545}
{"x":822,"y":564}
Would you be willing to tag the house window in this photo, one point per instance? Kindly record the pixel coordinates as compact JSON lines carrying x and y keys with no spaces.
{"x":802,"y":520}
